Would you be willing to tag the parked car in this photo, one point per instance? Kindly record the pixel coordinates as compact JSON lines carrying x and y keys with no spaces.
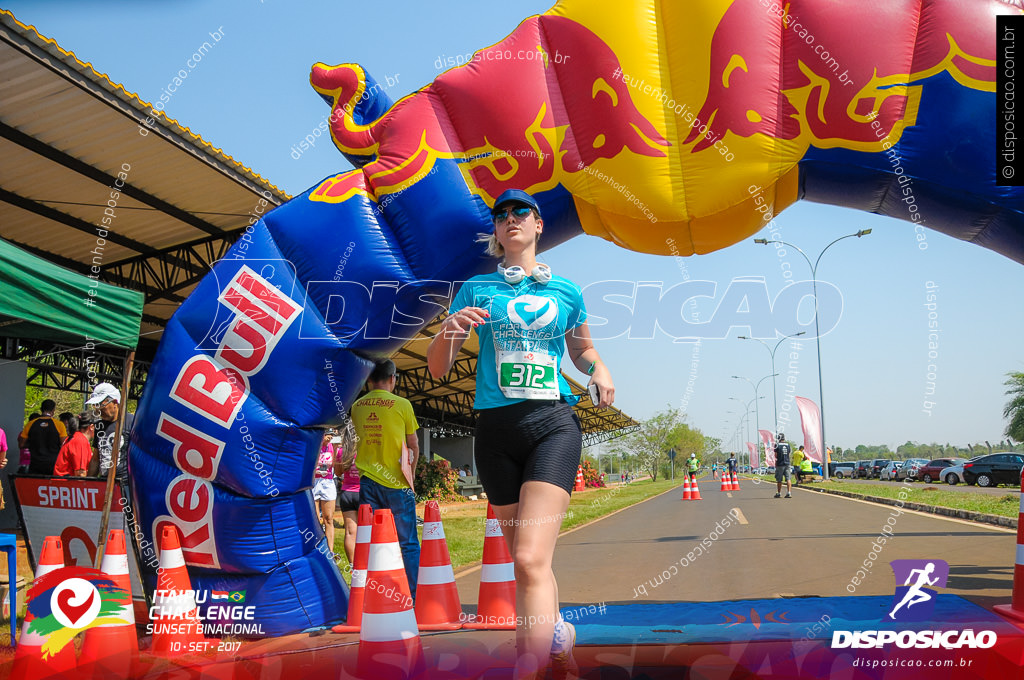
{"x":842,"y":470}
{"x":910,"y":468}
{"x":876,"y":467}
{"x":888,"y":473}
{"x":994,"y":469}
{"x":933,"y":469}
{"x":954,"y":474}
{"x":862,"y":470}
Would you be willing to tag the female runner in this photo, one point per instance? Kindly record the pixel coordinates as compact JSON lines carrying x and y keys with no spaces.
{"x":528,"y":440}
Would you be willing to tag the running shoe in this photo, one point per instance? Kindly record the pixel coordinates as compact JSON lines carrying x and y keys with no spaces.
{"x":778,"y":495}
{"x":789,"y":495}
{"x":563,"y":665}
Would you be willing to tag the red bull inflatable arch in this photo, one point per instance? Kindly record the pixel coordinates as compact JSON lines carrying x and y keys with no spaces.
{"x":663,"y":127}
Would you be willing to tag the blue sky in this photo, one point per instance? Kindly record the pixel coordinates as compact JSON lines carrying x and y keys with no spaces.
{"x":250,"y":96}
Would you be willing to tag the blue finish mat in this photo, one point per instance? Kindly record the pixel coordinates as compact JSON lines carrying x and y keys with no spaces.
{"x":763,"y":620}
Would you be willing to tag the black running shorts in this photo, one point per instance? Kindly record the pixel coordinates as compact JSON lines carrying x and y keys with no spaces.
{"x":531,"y":440}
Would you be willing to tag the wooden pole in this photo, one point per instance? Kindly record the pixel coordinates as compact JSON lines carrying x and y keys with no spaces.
{"x":101,"y":540}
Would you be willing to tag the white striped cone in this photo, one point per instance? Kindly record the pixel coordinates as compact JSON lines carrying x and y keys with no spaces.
{"x":437,"y":596}
{"x":389,"y":641}
{"x":734,"y":483}
{"x":360,"y":560}
{"x":496,"y":605}
{"x":28,"y":657}
{"x":176,"y":623}
{"x":686,"y":487}
{"x":111,"y":649}
{"x":1015,"y":610}
{"x":726,"y":486}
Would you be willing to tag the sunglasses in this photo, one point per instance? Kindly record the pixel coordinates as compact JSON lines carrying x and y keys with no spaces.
{"x":519,"y":212}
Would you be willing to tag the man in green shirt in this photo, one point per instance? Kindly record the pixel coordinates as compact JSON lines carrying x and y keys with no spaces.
{"x":386,"y":429}
{"x":692,"y":465}
{"x":798,"y":459}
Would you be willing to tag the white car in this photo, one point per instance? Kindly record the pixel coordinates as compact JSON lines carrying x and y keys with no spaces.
{"x":888,"y":473}
{"x":954,"y":474}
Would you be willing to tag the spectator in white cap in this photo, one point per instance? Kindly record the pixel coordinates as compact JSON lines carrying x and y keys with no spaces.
{"x":107,"y":400}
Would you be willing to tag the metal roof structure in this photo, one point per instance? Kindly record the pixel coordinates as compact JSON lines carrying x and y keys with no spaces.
{"x":97,"y":180}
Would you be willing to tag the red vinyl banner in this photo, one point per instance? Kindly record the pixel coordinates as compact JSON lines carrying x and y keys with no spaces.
{"x":810,"y":421}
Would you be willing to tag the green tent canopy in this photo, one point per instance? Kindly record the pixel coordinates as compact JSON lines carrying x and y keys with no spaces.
{"x":42,"y":300}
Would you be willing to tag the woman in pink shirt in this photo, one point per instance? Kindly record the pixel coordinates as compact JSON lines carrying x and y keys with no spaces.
{"x":324,"y":491}
{"x":348,"y":502}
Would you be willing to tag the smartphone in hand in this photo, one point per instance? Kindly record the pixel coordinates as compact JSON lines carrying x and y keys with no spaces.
{"x":595,"y":393}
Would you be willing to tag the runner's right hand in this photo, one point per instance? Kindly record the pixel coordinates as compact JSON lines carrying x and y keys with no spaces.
{"x":464,"y":320}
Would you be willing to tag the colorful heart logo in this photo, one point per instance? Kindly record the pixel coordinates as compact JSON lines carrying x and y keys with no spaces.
{"x":75,"y":603}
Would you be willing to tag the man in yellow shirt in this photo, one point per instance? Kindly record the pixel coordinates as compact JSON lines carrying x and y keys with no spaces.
{"x":798,"y":459}
{"x":386,"y":429}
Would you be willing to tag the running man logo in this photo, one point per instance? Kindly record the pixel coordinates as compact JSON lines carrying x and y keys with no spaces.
{"x":70,"y":600}
{"x":914,"y":601}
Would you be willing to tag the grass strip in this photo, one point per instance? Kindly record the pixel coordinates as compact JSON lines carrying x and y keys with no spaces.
{"x":1007,"y":505}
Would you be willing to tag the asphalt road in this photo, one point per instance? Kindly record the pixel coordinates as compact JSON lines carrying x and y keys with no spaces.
{"x":809,"y":545}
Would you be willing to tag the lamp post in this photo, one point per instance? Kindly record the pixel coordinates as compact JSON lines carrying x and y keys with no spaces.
{"x":746,"y":416}
{"x":757,"y":415}
{"x":771,"y":351}
{"x":817,"y":333}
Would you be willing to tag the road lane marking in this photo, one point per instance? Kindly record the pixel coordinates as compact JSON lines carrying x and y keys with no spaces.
{"x":738,"y":514}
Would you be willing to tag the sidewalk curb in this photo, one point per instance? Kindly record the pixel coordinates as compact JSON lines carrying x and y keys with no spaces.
{"x":970,"y":515}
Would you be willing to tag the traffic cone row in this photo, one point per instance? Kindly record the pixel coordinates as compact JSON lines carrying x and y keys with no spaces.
{"x":496,"y":604}
{"x":437,"y":596}
{"x":28,"y":658}
{"x":111,"y":650}
{"x":176,"y":625}
{"x":389,"y":640}
{"x":726,"y":483}
{"x":360,"y":561}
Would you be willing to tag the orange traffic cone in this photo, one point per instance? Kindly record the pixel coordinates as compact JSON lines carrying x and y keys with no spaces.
{"x":29,"y":663}
{"x":687,"y":494}
{"x":580,"y":484}
{"x":726,"y":486}
{"x":176,"y":625}
{"x":496,"y":605}
{"x":695,"y":491}
{"x":110,"y":650}
{"x":389,"y":642}
{"x":437,"y":597}
{"x":735,"y":482}
{"x":359,"y":562}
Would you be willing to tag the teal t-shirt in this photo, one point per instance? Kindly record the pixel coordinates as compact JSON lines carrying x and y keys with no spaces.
{"x":527,"y":325}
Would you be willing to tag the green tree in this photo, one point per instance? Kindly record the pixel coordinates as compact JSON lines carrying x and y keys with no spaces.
{"x":1014,"y":410}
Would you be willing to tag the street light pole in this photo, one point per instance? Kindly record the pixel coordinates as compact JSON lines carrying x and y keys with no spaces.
{"x":757,"y":414}
{"x":817,"y":333}
{"x":771,"y":351}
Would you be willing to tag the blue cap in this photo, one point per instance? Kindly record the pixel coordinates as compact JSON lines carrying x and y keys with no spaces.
{"x":516,"y":196}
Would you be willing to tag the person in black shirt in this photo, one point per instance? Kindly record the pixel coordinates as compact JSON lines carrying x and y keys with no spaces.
{"x":783,"y":459}
{"x":43,"y":437}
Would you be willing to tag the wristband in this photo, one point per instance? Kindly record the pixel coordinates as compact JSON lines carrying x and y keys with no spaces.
{"x":593,"y":365}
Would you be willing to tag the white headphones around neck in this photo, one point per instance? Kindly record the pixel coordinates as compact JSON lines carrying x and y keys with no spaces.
{"x":541,"y":273}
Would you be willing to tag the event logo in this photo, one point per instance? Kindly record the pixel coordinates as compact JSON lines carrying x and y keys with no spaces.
{"x":532,"y":312}
{"x":70,"y":600}
{"x":913,"y":601}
